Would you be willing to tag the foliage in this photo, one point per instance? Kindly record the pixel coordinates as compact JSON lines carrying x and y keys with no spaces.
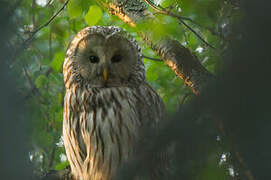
{"x":41,"y":63}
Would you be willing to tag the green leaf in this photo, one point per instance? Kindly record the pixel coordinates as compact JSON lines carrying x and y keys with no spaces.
{"x":61,"y":165}
{"x":75,"y":8}
{"x":57,"y":62}
{"x":41,"y":80}
{"x":93,"y":15}
{"x":151,"y":74}
{"x":193,"y":41}
{"x":167,"y":3}
{"x":45,"y":139}
{"x":59,"y":115}
{"x":59,"y":97}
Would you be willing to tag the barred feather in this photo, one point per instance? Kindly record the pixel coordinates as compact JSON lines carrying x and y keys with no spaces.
{"x":102,"y":125}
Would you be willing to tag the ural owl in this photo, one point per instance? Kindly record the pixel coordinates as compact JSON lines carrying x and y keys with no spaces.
{"x":107,"y":103}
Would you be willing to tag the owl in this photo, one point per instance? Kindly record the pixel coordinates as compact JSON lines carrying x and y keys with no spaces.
{"x":107,"y":102}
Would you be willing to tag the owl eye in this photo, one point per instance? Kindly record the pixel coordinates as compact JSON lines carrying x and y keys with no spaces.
{"x":94,"y":59}
{"x":116,"y":58}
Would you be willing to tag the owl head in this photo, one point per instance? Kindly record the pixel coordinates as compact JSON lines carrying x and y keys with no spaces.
{"x":103,"y":56}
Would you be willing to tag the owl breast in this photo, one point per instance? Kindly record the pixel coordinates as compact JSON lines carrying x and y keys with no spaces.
{"x":102,"y":125}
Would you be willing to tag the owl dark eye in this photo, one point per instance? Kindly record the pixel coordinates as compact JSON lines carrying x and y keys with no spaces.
{"x":94,"y":59}
{"x":116,"y":58}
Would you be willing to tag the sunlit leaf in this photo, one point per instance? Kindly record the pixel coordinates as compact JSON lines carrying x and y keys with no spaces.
{"x":56,"y":64}
{"x":93,"y":15}
{"x":167,"y":3}
{"x":61,"y":165}
{"x":59,"y":115}
{"x":59,"y":97}
{"x":193,"y":41}
{"x":74,"y":8}
{"x":41,"y":80}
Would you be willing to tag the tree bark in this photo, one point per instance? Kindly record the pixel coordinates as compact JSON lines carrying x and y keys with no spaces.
{"x":179,"y":58}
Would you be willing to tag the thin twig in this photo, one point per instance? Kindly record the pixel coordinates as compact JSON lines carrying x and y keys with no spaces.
{"x":185,"y":97}
{"x":34,"y":89}
{"x":153,"y":6}
{"x":194,"y":32}
{"x":179,"y":17}
{"x":159,"y":9}
{"x":51,"y":19}
{"x":52,"y":157}
{"x":48,"y":3}
{"x":213,"y":32}
{"x":151,"y":58}
{"x":26,"y":42}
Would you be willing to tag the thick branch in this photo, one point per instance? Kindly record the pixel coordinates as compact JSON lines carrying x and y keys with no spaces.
{"x":179,"y":58}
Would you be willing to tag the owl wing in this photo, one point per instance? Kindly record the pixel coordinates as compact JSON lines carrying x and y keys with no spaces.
{"x":151,"y":107}
{"x":153,"y":113}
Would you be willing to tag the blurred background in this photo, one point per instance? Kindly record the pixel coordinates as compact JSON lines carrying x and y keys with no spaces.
{"x":222,"y":134}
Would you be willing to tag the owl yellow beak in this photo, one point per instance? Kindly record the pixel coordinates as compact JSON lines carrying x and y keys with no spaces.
{"x":105,"y":74}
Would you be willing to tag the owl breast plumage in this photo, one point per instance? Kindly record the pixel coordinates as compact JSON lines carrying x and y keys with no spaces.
{"x":107,"y":103}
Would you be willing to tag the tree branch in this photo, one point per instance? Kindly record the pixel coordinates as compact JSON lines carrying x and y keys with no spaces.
{"x":181,"y":19}
{"x":28,"y":41}
{"x":34,"y":89}
{"x":179,"y":58}
{"x":52,"y":157}
{"x":151,"y":58}
{"x":50,"y":20}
